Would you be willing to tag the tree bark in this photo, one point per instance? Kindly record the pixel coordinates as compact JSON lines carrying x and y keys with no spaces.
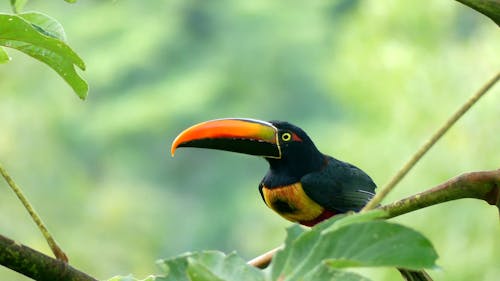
{"x":484,"y":185}
{"x":36,"y":265}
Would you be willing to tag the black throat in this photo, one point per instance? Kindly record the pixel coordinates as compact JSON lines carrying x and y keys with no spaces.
{"x":294,"y":164}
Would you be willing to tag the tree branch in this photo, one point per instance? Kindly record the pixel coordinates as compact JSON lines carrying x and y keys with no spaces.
{"x":36,"y":265}
{"x":484,"y":185}
{"x":264,"y":260}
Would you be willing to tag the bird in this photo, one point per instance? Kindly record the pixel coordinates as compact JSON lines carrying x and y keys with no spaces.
{"x":302,"y":184}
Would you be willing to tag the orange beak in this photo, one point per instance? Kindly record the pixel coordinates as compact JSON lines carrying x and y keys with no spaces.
{"x":248,"y":136}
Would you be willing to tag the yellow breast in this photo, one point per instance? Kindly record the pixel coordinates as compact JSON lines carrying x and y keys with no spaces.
{"x":292,"y":203}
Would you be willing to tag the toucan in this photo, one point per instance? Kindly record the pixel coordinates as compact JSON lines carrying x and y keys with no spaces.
{"x":302,"y":184}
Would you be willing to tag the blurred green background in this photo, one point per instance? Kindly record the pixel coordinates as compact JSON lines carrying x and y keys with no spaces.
{"x":368,"y":80}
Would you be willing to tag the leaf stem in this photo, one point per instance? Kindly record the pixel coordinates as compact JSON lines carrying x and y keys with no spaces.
{"x":421,"y":152}
{"x":58,"y":252}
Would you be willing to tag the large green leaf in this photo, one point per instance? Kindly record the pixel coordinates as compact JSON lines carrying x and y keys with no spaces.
{"x":292,"y":255}
{"x":209,"y":266}
{"x":18,"y":33}
{"x":200,"y":272}
{"x":323,"y":272}
{"x":351,"y":241}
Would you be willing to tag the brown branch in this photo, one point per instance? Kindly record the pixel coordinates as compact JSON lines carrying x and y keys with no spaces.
{"x":36,"y":265}
{"x":483,"y":185}
{"x":264,"y":260}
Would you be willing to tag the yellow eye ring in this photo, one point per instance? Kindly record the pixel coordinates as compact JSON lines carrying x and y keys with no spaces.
{"x":286,"y":136}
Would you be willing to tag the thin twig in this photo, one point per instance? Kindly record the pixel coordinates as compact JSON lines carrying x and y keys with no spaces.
{"x":418,"y":155}
{"x":58,"y":252}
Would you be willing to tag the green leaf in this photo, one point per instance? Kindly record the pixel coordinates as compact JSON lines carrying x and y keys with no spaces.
{"x":281,"y":257}
{"x":199,"y":272}
{"x":294,"y":255}
{"x":176,"y":268}
{"x":17,"y":33}
{"x":324,"y":272}
{"x":45,"y":25}
{"x":209,"y":266}
{"x":18,"y":5}
{"x":4,"y":57}
{"x":489,"y":8}
{"x":352,"y":241}
{"x":342,"y":220}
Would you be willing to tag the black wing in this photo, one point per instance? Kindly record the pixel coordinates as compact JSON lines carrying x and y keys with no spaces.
{"x":339,"y":186}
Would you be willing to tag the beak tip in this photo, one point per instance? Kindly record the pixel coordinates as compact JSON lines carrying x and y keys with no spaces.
{"x":175,"y":145}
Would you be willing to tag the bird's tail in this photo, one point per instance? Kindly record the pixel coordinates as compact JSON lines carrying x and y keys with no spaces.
{"x":414,"y":275}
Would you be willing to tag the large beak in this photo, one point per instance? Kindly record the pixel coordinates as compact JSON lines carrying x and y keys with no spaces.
{"x":248,"y":136}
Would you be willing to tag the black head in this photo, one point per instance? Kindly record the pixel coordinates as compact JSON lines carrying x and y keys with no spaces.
{"x":299,"y":155}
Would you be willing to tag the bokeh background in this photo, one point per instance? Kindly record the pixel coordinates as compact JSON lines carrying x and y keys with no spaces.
{"x":368,"y":80}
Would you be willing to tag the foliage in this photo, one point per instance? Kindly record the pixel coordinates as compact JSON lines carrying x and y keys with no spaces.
{"x":172,"y":63}
{"x":210,"y":265}
{"x":42,"y":38}
{"x":320,"y":253}
{"x":359,"y":244}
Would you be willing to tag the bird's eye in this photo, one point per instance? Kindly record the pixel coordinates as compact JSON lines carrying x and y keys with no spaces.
{"x":286,"y":136}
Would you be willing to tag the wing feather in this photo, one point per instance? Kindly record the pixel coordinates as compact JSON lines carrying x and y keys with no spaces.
{"x":339,"y":186}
